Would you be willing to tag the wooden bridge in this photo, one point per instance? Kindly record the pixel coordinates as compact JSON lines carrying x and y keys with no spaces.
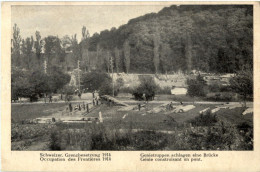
{"x":113,"y":100}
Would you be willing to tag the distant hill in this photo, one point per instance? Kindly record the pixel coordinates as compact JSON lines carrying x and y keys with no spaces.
{"x":210,"y":38}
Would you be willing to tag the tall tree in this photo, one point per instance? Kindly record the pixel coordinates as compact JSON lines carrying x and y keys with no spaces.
{"x":117,"y":58}
{"x":107,"y":60}
{"x":16,"y":42}
{"x":156,"y":44}
{"x":53,"y":50}
{"x":27,"y":46}
{"x":84,"y":46}
{"x":188,"y":52}
{"x":38,"y":46}
{"x":99,"y":58}
{"x":85,"y":33}
{"x":165,"y":57}
{"x":66,"y":43}
{"x":75,"y":48}
{"x":127,"y":50}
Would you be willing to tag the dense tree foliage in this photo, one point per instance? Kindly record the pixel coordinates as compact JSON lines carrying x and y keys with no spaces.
{"x":15,"y":49}
{"x":53,"y":50}
{"x":127,"y":57}
{"x":146,"y":90}
{"x":33,"y":84}
{"x":215,"y":38}
{"x":117,"y":59}
{"x":242,"y":83}
{"x":27,"y":46}
{"x":95,"y":79}
{"x":196,"y":86}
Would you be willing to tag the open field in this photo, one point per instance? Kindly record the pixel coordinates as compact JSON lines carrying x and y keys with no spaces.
{"x":110,"y":114}
{"x":21,"y":112}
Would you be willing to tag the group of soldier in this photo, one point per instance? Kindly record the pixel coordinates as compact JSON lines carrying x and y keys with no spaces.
{"x":83,"y":106}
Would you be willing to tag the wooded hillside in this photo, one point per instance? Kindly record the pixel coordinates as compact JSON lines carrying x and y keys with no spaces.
{"x":209,"y":38}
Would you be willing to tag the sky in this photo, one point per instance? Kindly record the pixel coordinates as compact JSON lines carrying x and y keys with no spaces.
{"x":68,"y":20}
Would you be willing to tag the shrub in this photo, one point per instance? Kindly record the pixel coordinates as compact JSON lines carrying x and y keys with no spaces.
{"x":220,"y":96}
{"x":219,"y":88}
{"x":147,"y":87}
{"x":100,"y":141}
{"x":214,"y":88}
{"x":29,"y":131}
{"x":204,"y":120}
{"x":107,"y":89}
{"x":225,"y":89}
{"x":196,"y":87}
{"x":100,"y":81}
{"x":246,"y":131}
{"x":242,"y":83}
{"x":95,"y":80}
{"x":149,"y":140}
{"x":55,"y":141}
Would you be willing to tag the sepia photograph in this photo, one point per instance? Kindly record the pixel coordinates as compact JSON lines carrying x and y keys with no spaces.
{"x":132,"y":77}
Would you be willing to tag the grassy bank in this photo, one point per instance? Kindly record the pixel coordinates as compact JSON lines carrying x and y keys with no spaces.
{"x":20,"y":112}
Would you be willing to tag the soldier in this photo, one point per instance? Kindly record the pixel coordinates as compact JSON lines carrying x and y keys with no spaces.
{"x":87,"y":108}
{"x":139,"y":106}
{"x":171,"y":107}
{"x":84,"y":106}
{"x":93,"y":102}
{"x":70,"y":108}
{"x":50,"y":98}
{"x":79,"y":94}
{"x":96,"y":101}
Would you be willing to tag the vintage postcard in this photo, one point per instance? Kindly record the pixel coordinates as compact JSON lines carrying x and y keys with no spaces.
{"x":130,"y":86}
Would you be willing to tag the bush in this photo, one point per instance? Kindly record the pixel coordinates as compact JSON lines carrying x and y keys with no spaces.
{"x":242,"y":83}
{"x":29,"y":131}
{"x":219,"y":88}
{"x":100,"y":81}
{"x":95,"y":80}
{"x":225,"y":89}
{"x":55,"y":141}
{"x":204,"y":120}
{"x":214,"y":88}
{"x":147,"y":87}
{"x":149,"y":140}
{"x":246,"y":131}
{"x":107,"y":89}
{"x":220,"y":96}
{"x":196,"y":87}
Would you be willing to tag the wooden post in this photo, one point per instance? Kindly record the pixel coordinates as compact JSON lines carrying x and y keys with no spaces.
{"x":87,"y":108}
{"x":100,"y":117}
